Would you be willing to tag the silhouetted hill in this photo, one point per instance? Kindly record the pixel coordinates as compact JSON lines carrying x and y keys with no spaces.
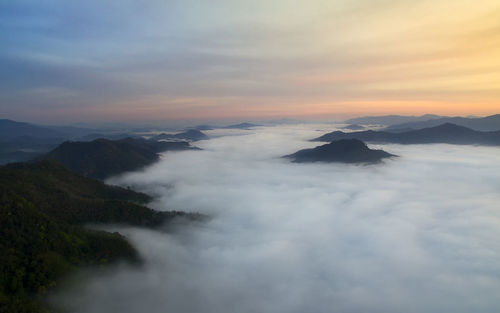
{"x":344,"y":151}
{"x":191,"y":135}
{"x":353,"y":127}
{"x":445,"y":133}
{"x":241,"y":126}
{"x":103,"y":158}
{"x":390,"y":119}
{"x":24,"y":141}
{"x":42,"y":208}
{"x":488,"y":123}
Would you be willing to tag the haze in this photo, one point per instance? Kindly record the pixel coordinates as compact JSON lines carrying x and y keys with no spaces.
{"x":417,"y":233}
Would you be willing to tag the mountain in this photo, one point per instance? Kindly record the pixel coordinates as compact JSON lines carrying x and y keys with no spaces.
{"x":488,"y":123}
{"x":10,"y":129}
{"x":353,"y":127}
{"x":445,"y":133}
{"x":43,"y":207}
{"x":344,"y":151}
{"x":241,"y":126}
{"x":191,"y":135}
{"x":24,"y":141}
{"x":390,"y":119}
{"x":103,"y":158}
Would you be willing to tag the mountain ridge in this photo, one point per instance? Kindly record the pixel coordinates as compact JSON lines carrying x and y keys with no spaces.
{"x":444,"y":133}
{"x":390,"y":119}
{"x":487,"y":123}
{"x":103,"y":158}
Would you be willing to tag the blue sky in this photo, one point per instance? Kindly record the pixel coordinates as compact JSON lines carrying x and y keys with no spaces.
{"x":127,"y":60}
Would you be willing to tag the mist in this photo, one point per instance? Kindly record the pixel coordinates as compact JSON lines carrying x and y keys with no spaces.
{"x":416,"y":233}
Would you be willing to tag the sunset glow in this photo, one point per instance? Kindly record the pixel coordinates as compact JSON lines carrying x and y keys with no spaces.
{"x":121,"y":60}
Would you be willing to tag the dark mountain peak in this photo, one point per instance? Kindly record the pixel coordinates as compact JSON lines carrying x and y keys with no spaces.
{"x":337,"y":133}
{"x":488,"y":123}
{"x":102,"y":158}
{"x":346,"y":144}
{"x":241,"y":126}
{"x":450,"y":127}
{"x":344,"y":151}
{"x":446,"y":129}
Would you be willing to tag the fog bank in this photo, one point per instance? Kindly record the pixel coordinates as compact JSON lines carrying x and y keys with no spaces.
{"x":418,"y":233}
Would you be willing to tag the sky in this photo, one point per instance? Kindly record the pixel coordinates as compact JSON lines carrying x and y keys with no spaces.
{"x":417,"y":233}
{"x":75,"y":61}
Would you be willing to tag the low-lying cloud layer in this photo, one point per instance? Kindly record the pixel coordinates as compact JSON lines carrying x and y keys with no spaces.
{"x":418,"y":233}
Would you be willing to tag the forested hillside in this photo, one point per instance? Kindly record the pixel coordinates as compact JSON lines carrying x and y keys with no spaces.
{"x":42,"y":209}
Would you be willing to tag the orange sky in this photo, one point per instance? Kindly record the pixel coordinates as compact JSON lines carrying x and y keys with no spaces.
{"x":258,"y":59}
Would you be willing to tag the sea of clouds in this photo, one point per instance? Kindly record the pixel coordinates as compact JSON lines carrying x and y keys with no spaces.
{"x":417,"y":233}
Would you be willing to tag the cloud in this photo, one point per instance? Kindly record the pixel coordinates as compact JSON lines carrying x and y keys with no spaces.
{"x":274,"y":56}
{"x":414,"y":234}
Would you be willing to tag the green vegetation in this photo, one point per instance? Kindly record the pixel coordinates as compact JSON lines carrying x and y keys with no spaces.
{"x":42,"y":208}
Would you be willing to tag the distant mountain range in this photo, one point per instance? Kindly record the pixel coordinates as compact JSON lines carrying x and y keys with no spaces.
{"x":344,"y":151}
{"x":488,"y":123}
{"x":21,"y":142}
{"x":10,"y":129}
{"x":445,"y":133}
{"x":103,"y":158}
{"x":190,"y":135}
{"x":235,"y":126}
{"x":390,"y":119}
